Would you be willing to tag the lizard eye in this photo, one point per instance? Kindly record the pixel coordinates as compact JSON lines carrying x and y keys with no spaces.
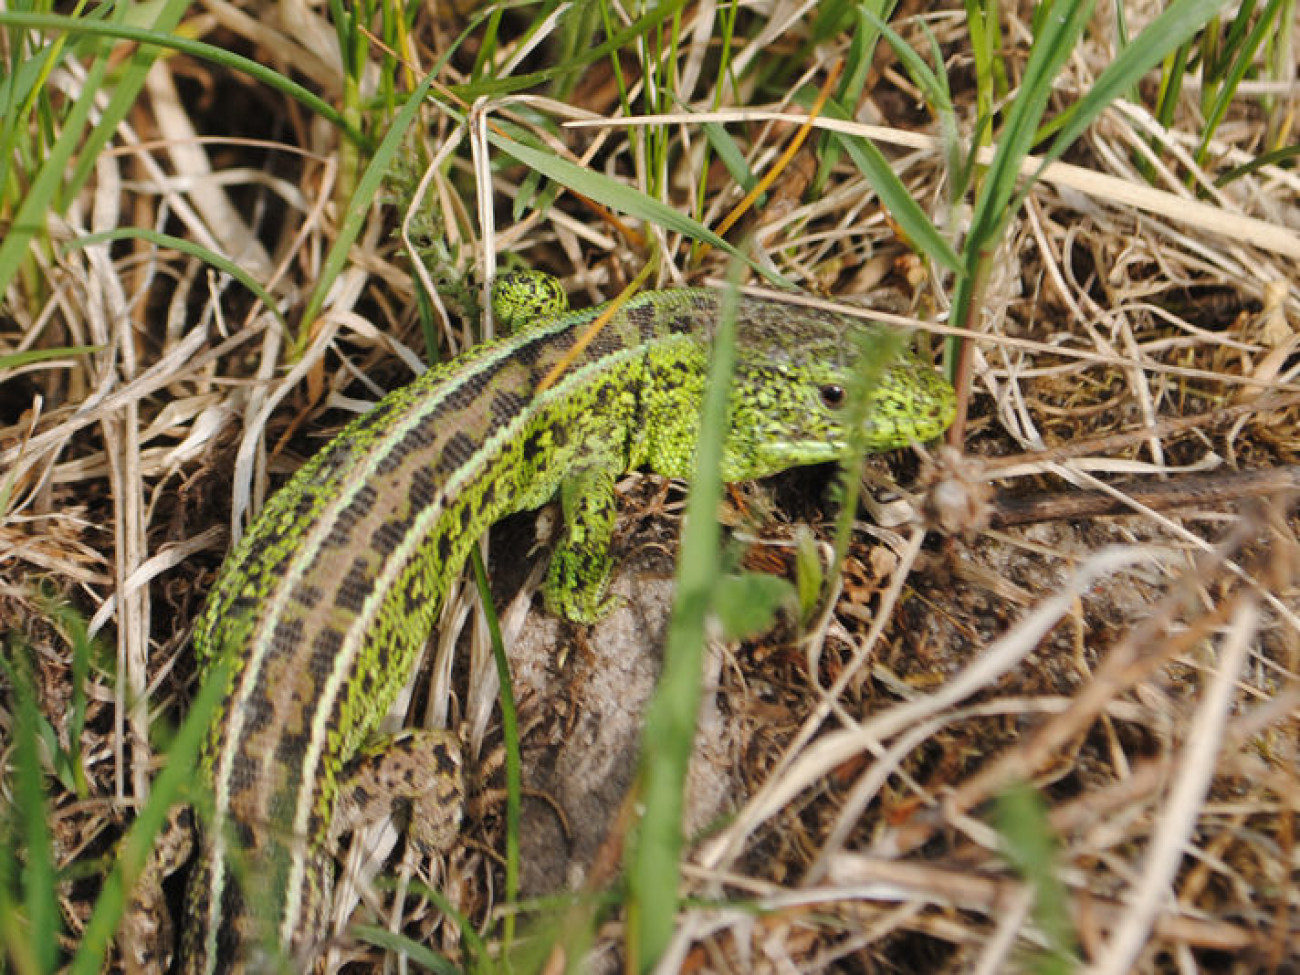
{"x":833,"y":395}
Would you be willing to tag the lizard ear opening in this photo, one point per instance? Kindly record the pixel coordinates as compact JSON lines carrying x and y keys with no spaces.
{"x":833,"y":395}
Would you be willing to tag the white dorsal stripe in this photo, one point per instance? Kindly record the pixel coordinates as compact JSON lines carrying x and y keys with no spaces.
{"x":354,"y":642}
{"x":277,"y":599}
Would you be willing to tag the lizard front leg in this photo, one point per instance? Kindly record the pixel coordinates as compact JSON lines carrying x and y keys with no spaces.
{"x":578,"y":575}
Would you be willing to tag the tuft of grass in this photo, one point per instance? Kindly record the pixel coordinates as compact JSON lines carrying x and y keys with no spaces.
{"x":57,"y":173}
{"x":1057,"y":29}
{"x":598,"y":203}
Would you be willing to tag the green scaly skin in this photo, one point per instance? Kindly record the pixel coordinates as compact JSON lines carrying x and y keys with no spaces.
{"x":326,"y":602}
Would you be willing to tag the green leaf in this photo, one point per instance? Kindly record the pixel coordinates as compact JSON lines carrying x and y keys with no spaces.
{"x":75,"y":631}
{"x":162,"y":40}
{"x":1063,"y":23}
{"x":634,"y":31}
{"x":510,"y":732}
{"x":809,"y":576}
{"x":730,"y":155}
{"x":177,"y":772}
{"x":747,"y":603}
{"x":1162,"y":37}
{"x":52,"y":185}
{"x":1030,"y":846}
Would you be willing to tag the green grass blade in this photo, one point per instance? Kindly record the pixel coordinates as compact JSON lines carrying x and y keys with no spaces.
{"x":1274,"y":158}
{"x":1058,"y":28}
{"x":621,"y":197}
{"x":474,"y":949}
{"x":41,"y":196}
{"x":510,"y":732}
{"x":28,"y":78}
{"x":1172,"y":74}
{"x":16,"y":952}
{"x":508,"y":86}
{"x":1176,"y":25}
{"x":730,"y":155}
{"x":1030,"y":845}
{"x":48,"y":190}
{"x":871,"y":162}
{"x":219,"y":261}
{"x":1243,"y":55}
{"x":155,"y":39}
{"x":1062,"y":25}
{"x":400,"y":944}
{"x":934,"y":86}
{"x":41,"y":913}
{"x":177,"y":772}
{"x":490,"y":42}
{"x":127,"y":82}
{"x":670,"y":720}
{"x":16,"y":360}
{"x":76,"y":632}
{"x":358,"y":208}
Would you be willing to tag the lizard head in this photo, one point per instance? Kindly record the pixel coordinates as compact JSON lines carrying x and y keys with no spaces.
{"x":793,"y":395}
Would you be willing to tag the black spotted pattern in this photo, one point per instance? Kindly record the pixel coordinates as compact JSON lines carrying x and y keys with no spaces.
{"x":459,"y":448}
{"x":389,"y":535}
{"x":356,"y":585}
{"x":506,"y":405}
{"x":419,"y":437}
{"x":324,"y":649}
{"x":424,"y":488}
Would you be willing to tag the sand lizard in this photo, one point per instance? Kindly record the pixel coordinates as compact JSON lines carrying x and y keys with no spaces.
{"x":324,"y":605}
